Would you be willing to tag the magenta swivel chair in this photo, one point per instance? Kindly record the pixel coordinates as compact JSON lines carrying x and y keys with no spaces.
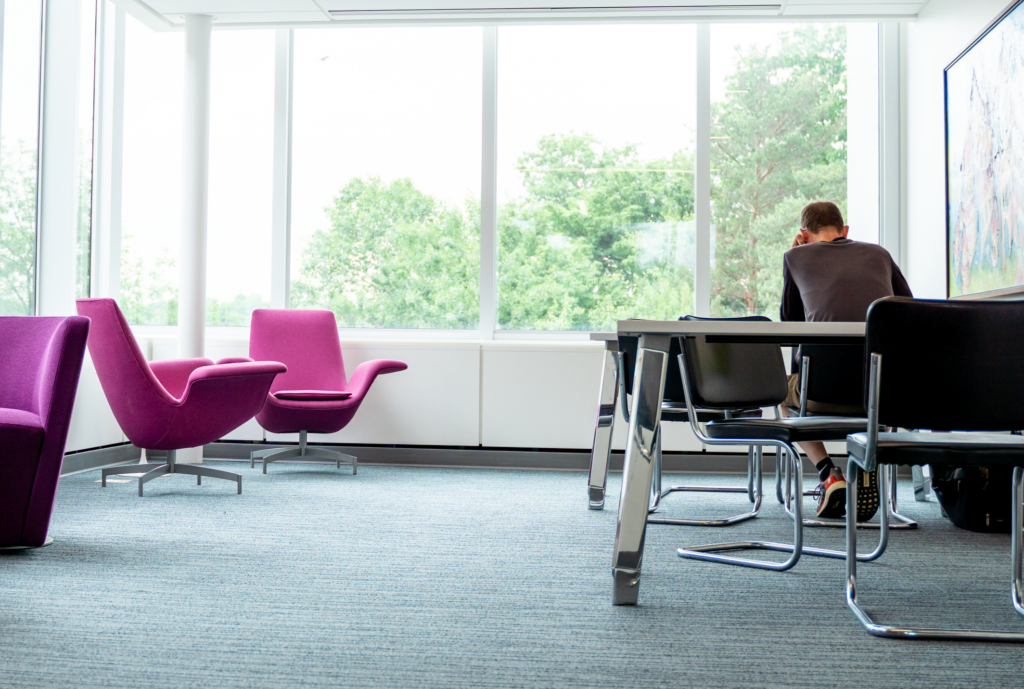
{"x":170,"y":405}
{"x":313,"y":396}
{"x":40,"y":361}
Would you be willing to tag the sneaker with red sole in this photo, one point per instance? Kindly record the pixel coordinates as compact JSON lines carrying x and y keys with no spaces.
{"x":831,"y":496}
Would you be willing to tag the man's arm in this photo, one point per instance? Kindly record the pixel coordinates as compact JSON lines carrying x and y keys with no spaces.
{"x":792,"y":308}
{"x":900,"y":288}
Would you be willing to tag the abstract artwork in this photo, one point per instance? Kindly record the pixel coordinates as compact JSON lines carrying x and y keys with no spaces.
{"x":985,"y":160}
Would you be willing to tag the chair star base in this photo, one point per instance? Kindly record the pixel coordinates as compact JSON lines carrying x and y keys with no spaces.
{"x":276,"y":454}
{"x":152,"y":471}
{"x":16,"y":548}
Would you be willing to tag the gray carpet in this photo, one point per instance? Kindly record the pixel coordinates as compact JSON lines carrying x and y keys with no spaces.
{"x":405,"y":577}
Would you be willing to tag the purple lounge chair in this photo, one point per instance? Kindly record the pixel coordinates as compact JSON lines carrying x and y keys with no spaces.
{"x":170,"y":405}
{"x":40,"y":361}
{"x":313,"y":396}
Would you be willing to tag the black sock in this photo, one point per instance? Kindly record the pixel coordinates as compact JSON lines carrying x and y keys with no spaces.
{"x":825,"y":468}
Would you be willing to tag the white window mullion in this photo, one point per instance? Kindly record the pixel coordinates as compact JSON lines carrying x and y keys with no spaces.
{"x":702,"y":169}
{"x":107,"y":151}
{"x":489,"y":187}
{"x":280,"y":261}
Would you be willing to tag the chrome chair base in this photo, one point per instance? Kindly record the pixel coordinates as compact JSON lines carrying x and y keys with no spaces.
{"x":753,"y":491}
{"x":796,"y":549}
{"x":17,"y":548}
{"x":152,"y":471}
{"x":937,"y":634}
{"x":276,"y":454}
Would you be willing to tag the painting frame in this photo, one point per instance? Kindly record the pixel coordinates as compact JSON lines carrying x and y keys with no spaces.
{"x":1003,"y":292}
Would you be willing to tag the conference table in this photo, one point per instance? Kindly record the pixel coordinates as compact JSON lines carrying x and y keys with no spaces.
{"x":645,"y":415}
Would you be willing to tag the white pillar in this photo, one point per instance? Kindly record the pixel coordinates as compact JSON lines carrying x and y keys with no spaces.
{"x":195,"y":166}
{"x":58,"y":171}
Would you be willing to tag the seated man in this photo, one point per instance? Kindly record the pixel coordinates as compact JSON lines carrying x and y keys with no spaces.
{"x":827,"y":277}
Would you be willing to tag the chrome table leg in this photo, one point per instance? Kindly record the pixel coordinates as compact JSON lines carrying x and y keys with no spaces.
{"x":601,"y":453}
{"x":645,"y":415}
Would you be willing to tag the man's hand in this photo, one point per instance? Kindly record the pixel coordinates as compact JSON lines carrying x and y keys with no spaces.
{"x":800,"y":239}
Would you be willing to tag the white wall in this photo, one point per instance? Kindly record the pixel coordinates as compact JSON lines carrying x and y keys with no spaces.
{"x":941,"y":32}
{"x":462,"y":394}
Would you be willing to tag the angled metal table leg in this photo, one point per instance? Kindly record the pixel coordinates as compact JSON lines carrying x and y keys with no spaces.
{"x":602,"y":450}
{"x":645,"y":415}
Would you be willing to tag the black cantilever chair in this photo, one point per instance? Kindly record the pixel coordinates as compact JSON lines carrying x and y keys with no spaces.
{"x":835,"y":374}
{"x":945,"y":366}
{"x":673,"y":409}
{"x":734,"y":375}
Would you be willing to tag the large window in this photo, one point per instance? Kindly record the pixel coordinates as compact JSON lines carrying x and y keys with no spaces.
{"x":241,"y":175}
{"x":151,"y":187}
{"x":779,"y":140}
{"x":594,"y":149}
{"x":386,"y":152}
{"x":19,"y":128}
{"x":595,"y":175}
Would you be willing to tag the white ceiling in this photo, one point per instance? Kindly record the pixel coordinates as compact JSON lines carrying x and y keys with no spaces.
{"x":169,"y":14}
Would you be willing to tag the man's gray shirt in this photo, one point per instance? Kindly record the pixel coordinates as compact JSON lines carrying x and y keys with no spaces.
{"x":837,"y":280}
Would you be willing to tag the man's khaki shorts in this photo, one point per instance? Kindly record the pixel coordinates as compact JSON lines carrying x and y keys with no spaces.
{"x":793,"y":401}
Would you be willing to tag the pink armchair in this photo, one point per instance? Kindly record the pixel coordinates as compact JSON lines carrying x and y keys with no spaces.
{"x":313,"y":396}
{"x":170,"y":405}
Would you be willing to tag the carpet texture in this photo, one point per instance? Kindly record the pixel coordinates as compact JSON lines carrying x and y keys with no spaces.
{"x":405,"y":577}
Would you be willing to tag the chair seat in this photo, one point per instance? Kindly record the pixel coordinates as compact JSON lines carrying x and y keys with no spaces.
{"x":676,"y":411}
{"x":790,"y":430}
{"x":312,"y":395}
{"x":957,"y":449}
{"x":21,"y":433}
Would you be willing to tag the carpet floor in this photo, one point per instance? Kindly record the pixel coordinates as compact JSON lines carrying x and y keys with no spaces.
{"x":406,"y":577}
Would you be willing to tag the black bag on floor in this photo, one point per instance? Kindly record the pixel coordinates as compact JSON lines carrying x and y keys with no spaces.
{"x":975,"y":498}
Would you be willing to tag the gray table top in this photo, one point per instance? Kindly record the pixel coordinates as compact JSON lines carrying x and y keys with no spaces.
{"x":786,"y":332}
{"x":604,"y":337}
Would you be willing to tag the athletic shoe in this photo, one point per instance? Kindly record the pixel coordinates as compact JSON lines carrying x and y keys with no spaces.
{"x":867,"y":495}
{"x":831,"y":496}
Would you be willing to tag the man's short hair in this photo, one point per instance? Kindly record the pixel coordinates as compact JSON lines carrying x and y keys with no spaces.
{"x":821,"y":214}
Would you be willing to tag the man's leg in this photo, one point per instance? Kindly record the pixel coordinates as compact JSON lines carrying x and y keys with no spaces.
{"x":831,"y":493}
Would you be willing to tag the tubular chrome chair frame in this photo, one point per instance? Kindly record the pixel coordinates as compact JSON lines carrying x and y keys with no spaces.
{"x":151,"y":471}
{"x":901,"y":522}
{"x":1016,"y":543}
{"x":276,"y":454}
{"x":754,"y":475}
{"x":794,"y":477}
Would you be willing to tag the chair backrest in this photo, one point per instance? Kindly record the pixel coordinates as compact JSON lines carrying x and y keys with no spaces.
{"x":734,"y":375}
{"x":628,"y":344}
{"x":139,"y":401}
{"x":837,"y":373}
{"x":306,"y":341}
{"x":949,"y":365}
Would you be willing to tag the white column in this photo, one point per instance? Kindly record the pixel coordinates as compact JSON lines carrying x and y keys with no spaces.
{"x":195,"y":164}
{"x":702,"y":181}
{"x":890,"y":141}
{"x":195,"y":167}
{"x":280,"y":253}
{"x":58,"y":174}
